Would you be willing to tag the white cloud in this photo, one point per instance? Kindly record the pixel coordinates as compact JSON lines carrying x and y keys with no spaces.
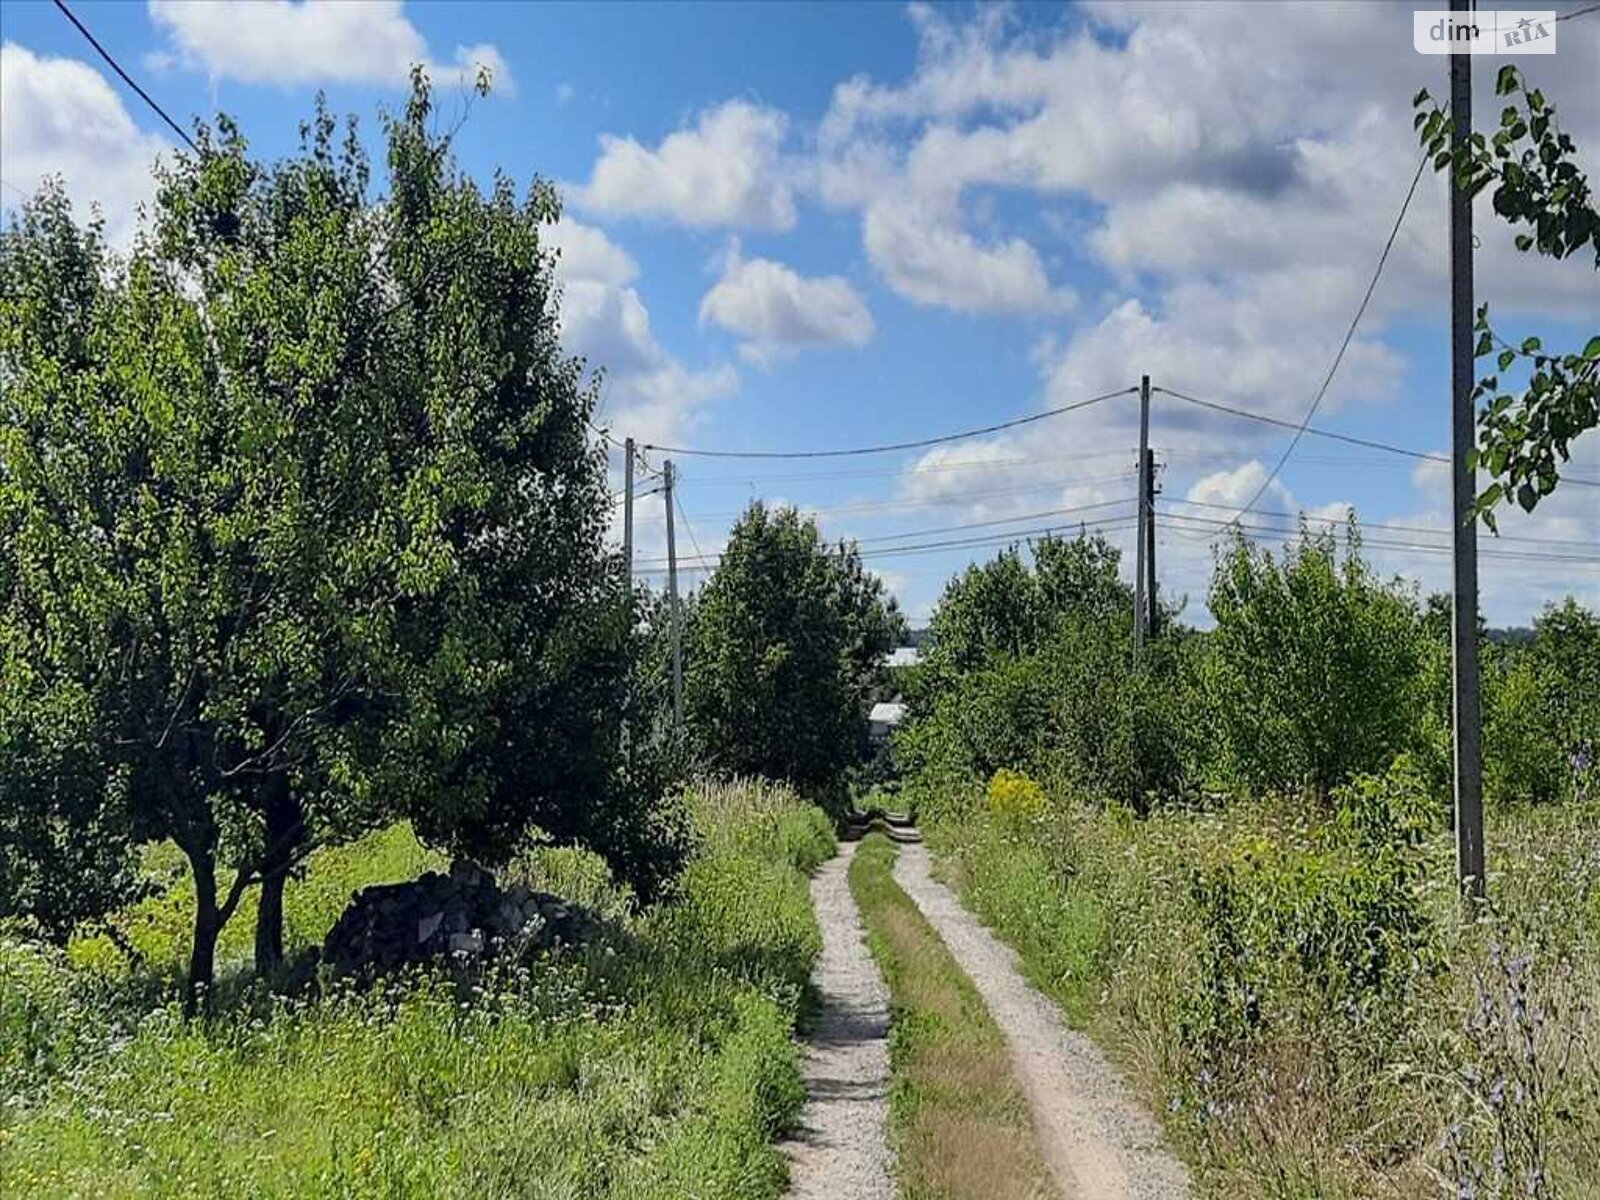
{"x":927,"y":257}
{"x":1238,"y":487}
{"x":283,"y":42}
{"x":724,"y":172}
{"x":648,"y":394}
{"x":564,"y":94}
{"x":589,"y":255}
{"x":777,"y":310}
{"x":59,"y":116}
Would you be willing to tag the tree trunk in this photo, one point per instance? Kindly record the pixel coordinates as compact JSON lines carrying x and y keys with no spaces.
{"x":284,"y":833}
{"x":207,"y":925}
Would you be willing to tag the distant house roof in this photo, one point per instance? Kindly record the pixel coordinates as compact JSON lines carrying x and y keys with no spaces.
{"x":887,"y":712}
{"x":903,"y":656}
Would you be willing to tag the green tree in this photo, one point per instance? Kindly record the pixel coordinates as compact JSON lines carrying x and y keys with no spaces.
{"x":990,"y":608}
{"x":787,"y":646}
{"x":1035,"y":674}
{"x":312,"y":520}
{"x":1527,"y":432}
{"x":1311,"y":671}
{"x":65,"y":827}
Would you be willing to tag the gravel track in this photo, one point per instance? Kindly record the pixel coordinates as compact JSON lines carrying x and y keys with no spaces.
{"x":840,"y":1151}
{"x":1100,"y":1144}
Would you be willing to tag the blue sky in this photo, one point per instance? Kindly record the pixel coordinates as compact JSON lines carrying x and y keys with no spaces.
{"x":798,"y":227}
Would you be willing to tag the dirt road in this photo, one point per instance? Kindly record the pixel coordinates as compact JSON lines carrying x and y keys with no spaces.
{"x":1100,"y":1144}
{"x":841,"y":1150}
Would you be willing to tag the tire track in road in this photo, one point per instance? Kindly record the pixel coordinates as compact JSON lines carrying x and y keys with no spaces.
{"x":1100,"y":1143}
{"x":841,"y":1149}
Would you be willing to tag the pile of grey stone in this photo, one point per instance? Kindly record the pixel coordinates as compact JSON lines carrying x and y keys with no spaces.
{"x":464,"y":916}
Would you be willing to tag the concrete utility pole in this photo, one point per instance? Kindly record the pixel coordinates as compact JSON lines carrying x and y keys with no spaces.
{"x":672,"y":600}
{"x":1139,"y":614}
{"x":1463,"y":493}
{"x":627,"y":509}
{"x":1152,"y":604}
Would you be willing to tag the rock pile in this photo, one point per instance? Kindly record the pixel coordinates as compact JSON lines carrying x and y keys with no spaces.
{"x":464,"y":914}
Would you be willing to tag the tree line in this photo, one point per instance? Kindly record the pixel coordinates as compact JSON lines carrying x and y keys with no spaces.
{"x":1317,"y":671}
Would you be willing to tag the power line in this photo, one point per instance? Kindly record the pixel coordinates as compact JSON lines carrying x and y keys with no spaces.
{"x":1010,"y":538}
{"x":1423,"y":529}
{"x":1349,"y":335}
{"x":750,"y":479}
{"x":888,"y":506}
{"x":693,"y":541}
{"x":989,"y":524}
{"x":1578,"y":12}
{"x":1282,"y":424}
{"x":1273,"y":533}
{"x":891,"y":447}
{"x":1337,"y":437}
{"x":126,"y":78}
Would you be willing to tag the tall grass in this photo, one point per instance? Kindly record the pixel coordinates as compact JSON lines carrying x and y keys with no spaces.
{"x":659,"y":1065}
{"x":1310,"y":1012}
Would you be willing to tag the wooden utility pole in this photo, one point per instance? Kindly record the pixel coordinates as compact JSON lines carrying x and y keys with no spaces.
{"x":1152,"y":604}
{"x":1139,"y":614}
{"x":1463,"y":494}
{"x":672,"y":600}
{"x":627,"y":509}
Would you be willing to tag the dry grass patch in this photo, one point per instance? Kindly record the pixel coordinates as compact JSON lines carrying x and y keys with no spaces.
{"x":959,"y":1121}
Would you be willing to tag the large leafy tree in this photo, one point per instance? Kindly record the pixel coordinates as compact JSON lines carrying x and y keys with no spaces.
{"x":1007,"y":607}
{"x":788,"y":643}
{"x":309,"y":520}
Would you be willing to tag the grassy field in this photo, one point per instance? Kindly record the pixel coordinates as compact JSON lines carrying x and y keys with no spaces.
{"x":657,"y":1066}
{"x":958,"y":1120}
{"x":1301,"y":1000}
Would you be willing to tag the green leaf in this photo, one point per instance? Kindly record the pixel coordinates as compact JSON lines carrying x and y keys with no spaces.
{"x":1506,"y":82}
{"x":1592,"y":349}
{"x":1490,"y":496}
{"x":1421,"y":95}
{"x":1507,"y":357}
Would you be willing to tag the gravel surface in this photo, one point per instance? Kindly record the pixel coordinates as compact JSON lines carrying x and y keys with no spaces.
{"x":840,"y":1151}
{"x":1100,"y":1144}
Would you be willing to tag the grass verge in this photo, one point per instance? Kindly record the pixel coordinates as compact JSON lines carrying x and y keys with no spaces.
{"x":959,"y":1122}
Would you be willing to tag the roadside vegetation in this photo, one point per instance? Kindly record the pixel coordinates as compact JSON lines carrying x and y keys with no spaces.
{"x":660,"y":1064}
{"x":1234,"y":866}
{"x":306,"y":586}
{"x":959,"y":1121}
